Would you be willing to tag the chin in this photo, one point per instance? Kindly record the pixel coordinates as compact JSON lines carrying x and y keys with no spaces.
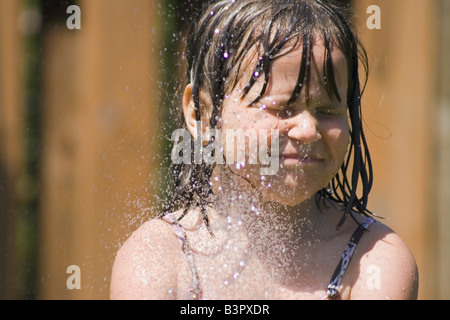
{"x":290,"y":199}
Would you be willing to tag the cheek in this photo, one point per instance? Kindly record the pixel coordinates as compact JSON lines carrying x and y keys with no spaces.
{"x":249,"y":133}
{"x":337,"y":135}
{"x":265,"y":120}
{"x":262,"y":126}
{"x":249,"y":119}
{"x":253,"y":119}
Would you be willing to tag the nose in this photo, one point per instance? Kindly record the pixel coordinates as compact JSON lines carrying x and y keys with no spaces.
{"x":303,"y":127}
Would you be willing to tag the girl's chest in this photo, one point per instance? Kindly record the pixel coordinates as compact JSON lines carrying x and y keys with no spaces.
{"x":242,"y":276}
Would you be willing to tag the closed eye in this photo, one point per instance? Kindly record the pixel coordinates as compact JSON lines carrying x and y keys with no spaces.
{"x":332,"y":110}
{"x":287,"y":110}
{"x":269,"y":107}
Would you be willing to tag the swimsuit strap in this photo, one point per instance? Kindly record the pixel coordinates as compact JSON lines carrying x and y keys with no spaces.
{"x":182,"y":238}
{"x":332,"y":290}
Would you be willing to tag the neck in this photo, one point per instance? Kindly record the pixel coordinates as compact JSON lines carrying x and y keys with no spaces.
{"x":254,"y":207}
{"x":271,"y":224}
{"x":284,"y":238}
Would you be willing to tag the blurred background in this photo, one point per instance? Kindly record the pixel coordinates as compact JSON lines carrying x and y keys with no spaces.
{"x":84,"y":113}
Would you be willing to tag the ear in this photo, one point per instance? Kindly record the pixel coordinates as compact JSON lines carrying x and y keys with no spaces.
{"x":189,"y":113}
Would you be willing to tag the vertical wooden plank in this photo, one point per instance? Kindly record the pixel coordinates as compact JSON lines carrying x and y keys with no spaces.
{"x":399,"y":109}
{"x":11,"y":144}
{"x":101,"y":111}
{"x":61,"y":128}
{"x":118,"y":79}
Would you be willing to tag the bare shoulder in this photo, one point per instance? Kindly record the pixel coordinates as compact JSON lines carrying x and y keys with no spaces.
{"x":143,"y":267}
{"x":387,"y":268}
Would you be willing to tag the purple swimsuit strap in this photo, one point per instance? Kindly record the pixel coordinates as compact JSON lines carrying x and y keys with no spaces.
{"x":195,"y":289}
{"x":332,"y":290}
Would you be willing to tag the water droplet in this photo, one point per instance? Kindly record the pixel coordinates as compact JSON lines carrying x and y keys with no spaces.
{"x":239,"y":165}
{"x":303,"y":124}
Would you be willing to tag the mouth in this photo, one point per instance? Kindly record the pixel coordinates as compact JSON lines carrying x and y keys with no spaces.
{"x":297,"y":159}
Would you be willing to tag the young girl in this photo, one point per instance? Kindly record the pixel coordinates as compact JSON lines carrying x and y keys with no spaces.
{"x":288,"y":71}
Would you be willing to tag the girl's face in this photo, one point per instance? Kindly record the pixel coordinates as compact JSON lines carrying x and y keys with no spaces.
{"x":313,"y":131}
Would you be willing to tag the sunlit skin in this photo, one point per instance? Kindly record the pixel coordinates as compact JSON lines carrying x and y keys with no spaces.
{"x":271,"y":242}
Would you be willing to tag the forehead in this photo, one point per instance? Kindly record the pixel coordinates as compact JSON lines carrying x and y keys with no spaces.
{"x":293,"y":58}
{"x":285,"y":69}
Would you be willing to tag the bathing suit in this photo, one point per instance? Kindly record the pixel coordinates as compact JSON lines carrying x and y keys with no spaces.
{"x":332,"y":290}
{"x":181,"y":235}
{"x":333,"y":286}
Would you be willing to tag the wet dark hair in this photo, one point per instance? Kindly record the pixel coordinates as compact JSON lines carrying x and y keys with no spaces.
{"x":215,"y":50}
